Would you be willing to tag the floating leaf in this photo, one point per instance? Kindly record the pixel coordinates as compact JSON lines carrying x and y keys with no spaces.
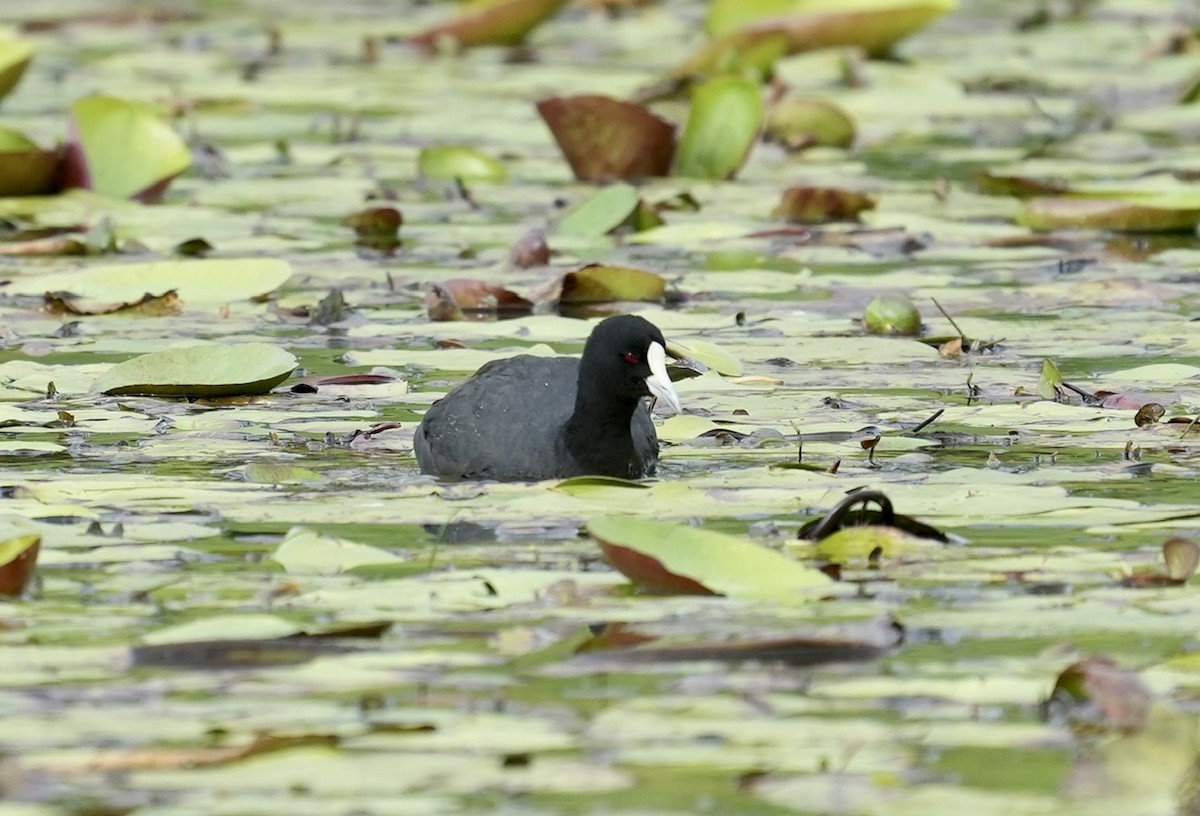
{"x":491,"y":22}
{"x":722,"y":125}
{"x":122,"y":149}
{"x":307,"y":552}
{"x":603,"y":212}
{"x":605,"y":139}
{"x":798,"y":123}
{"x":200,"y":371}
{"x":1182,"y":556}
{"x":530,"y":249}
{"x":449,"y":162}
{"x":818,"y":205}
{"x":196,"y":281}
{"x":1151,"y":214}
{"x":597,"y":283}
{"x":14,"y":59}
{"x":1097,"y":694}
{"x":676,"y":558}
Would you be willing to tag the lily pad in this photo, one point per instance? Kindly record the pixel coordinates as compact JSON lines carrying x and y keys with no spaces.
{"x":195,"y":281}
{"x":14,"y":59}
{"x":307,"y":552}
{"x":598,"y":283}
{"x":676,"y":558}
{"x":818,"y":205}
{"x":122,"y":149}
{"x":605,"y":139}
{"x":18,"y":558}
{"x":1109,"y":214}
{"x":801,"y":122}
{"x":449,"y":162}
{"x":603,"y":212}
{"x":721,"y":128}
{"x":200,"y":371}
{"x":491,"y":22}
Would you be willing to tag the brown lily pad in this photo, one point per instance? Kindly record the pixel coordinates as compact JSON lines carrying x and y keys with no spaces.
{"x":597,"y":283}
{"x":604,"y":139}
{"x":818,"y":205}
{"x":18,"y":562}
{"x":503,"y":22}
{"x":471,"y":295}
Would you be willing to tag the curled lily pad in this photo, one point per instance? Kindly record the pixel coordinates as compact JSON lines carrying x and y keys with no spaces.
{"x":122,"y":149}
{"x":491,"y":22}
{"x":605,"y":139}
{"x":721,"y":128}
{"x":892,"y":314}
{"x":753,"y":33}
{"x":798,"y":123}
{"x":711,"y":355}
{"x":200,"y":371}
{"x":18,"y":558}
{"x":598,"y":283}
{"x":675,"y":558}
{"x":14,"y":59}
{"x":448,"y":162}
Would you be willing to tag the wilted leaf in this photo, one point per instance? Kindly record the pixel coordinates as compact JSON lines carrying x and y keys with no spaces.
{"x":605,"y":139}
{"x":200,"y":371}
{"x":153,"y":305}
{"x":530,"y":249}
{"x":1018,"y":186}
{"x":1149,"y":215}
{"x":122,"y":149}
{"x":470,"y":295}
{"x":818,"y":205}
{"x":722,"y":126}
{"x":798,"y":123}
{"x":448,"y":162}
{"x":1097,"y":694}
{"x":674,"y":558}
{"x":491,"y":22}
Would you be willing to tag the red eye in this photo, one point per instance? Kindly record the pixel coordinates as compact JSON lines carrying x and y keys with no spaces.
{"x":632,"y":357}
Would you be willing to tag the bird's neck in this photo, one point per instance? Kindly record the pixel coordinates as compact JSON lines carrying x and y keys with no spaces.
{"x":598,"y":433}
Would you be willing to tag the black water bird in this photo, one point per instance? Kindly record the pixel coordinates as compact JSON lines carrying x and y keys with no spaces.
{"x":528,"y":418}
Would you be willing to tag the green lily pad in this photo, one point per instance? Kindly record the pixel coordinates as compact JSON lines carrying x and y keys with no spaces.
{"x":196,"y":281}
{"x":673,"y":558}
{"x":122,"y":149}
{"x":307,"y":552}
{"x":1132,"y":215}
{"x":715,"y":356}
{"x":721,"y":128}
{"x":799,"y":122}
{"x":200,"y":371}
{"x":14,"y":59}
{"x":448,"y":162}
{"x":606,"y":284}
{"x":603,"y":212}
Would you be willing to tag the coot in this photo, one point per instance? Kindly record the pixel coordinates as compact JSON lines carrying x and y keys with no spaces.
{"x":528,"y":418}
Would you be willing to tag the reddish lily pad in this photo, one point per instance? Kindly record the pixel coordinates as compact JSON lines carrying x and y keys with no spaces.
{"x":471,"y":295}
{"x":675,"y":558}
{"x":1096,"y":694}
{"x":605,"y":139}
{"x":18,"y":560}
{"x":490,"y":22}
{"x":200,"y":371}
{"x":818,"y":205}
